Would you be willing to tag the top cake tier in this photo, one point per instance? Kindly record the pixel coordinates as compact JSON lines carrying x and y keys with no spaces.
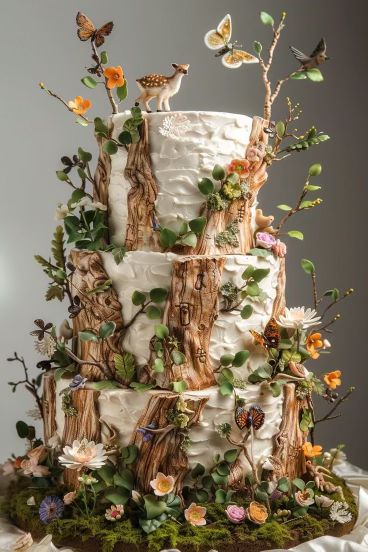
{"x":154,"y":183}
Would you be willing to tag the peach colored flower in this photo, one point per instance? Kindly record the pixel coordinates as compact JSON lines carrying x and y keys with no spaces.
{"x":195,"y":515}
{"x":313,"y":343}
{"x":311,"y":451}
{"x":280,"y":249}
{"x":80,"y":105}
{"x":69,"y":497}
{"x":163,"y":484}
{"x":304,"y":498}
{"x":114,"y":77}
{"x":257,"y":513}
{"x":31,"y":464}
{"x":239,"y":166}
{"x":333,"y":379}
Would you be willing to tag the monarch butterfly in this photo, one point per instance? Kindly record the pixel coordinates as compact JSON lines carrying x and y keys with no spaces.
{"x":219,"y":39}
{"x":87,"y":30}
{"x":270,"y":337}
{"x":254,"y":417}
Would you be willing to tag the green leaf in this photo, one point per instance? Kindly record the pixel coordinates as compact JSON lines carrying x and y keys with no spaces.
{"x":227,"y":359}
{"x":106,"y":473}
{"x":266,"y":18}
{"x":125,"y":137}
{"x":284,"y":207}
{"x":22,"y":429}
{"x":110,"y":147}
{"x":117,"y":496}
{"x":231,"y":455}
{"x":107,"y":329}
{"x":206,"y":186}
{"x":299,"y":484}
{"x":159,"y":365}
{"x":179,"y":386}
{"x":226,"y":388}
{"x":153,"y":312}
{"x":312,"y":188}
{"x":100,"y":127}
{"x":122,"y":92}
{"x":84,"y":155}
{"x":307,"y":266}
{"x":138,"y":298}
{"x":118,"y":254}
{"x":240,"y":358}
{"x":161,"y":331}
{"x":333,"y":293}
{"x":81,"y":122}
{"x":258,"y":252}
{"x":257,"y":46}
{"x":124,"y":478}
{"x":197,"y":225}
{"x":218,"y":172}
{"x":283,"y":485}
{"x":280,"y":129}
{"x":54,"y":292}
{"x":190,"y":240}
{"x":158,"y":295}
{"x":315,"y":170}
{"x":178,"y":358}
{"x":167,"y":238}
{"x":298,"y":75}
{"x":262,"y":373}
{"x":220,"y":496}
{"x":296,"y":234}
{"x":246,"y":312}
{"x":275,"y":388}
{"x":62,"y":176}
{"x":219,"y":479}
{"x":314,"y":75}
{"x":260,"y":274}
{"x":248,"y":272}
{"x":104,"y":58}
{"x":253,"y":289}
{"x":124,"y":367}
{"x":88,"y":336}
{"x":129,"y":454}
{"x":141,"y":387}
{"x":150,"y":525}
{"x":306,"y":205}
{"x":90,"y":82}
{"x":291,"y":356}
{"x":197,"y":471}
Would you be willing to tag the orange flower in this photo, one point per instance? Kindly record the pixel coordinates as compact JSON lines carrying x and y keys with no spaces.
{"x":313,"y":343}
{"x":114,"y":77}
{"x":257,"y":513}
{"x":195,"y":515}
{"x":79,"y":105}
{"x":163,"y":484}
{"x":311,"y":451}
{"x":333,"y":379}
{"x":239,"y":166}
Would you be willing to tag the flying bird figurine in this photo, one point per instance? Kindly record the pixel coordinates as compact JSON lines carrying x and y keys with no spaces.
{"x":317,"y":57}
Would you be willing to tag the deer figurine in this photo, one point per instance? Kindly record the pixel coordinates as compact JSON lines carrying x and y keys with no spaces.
{"x":160,"y":87}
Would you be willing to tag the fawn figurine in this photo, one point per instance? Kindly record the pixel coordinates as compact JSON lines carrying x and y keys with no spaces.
{"x":160,"y":87}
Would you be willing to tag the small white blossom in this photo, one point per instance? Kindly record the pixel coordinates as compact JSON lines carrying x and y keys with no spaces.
{"x":83,"y":454}
{"x":175,"y":126}
{"x":298,"y":318}
{"x":340,"y":512}
{"x":46,"y":346}
{"x":61,"y":211}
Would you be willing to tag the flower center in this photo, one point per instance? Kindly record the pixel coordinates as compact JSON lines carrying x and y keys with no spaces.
{"x":164,"y":486}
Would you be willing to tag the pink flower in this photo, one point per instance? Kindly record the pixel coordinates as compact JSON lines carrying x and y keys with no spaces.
{"x":8,"y":468}
{"x":266,"y":240}
{"x":279,"y":249}
{"x":235,"y":514}
{"x":31,"y":466}
{"x":115,"y":512}
{"x":163,"y":484}
{"x":69,"y":497}
{"x":195,"y":515}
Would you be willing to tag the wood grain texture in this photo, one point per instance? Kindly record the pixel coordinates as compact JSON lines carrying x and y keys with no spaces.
{"x":102,"y":173}
{"x":280,"y":301}
{"x":163,"y":453}
{"x":142,"y":195}
{"x":98,"y":307}
{"x":49,"y":405}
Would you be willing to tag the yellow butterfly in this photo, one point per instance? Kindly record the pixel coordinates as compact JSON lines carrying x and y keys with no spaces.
{"x":219,"y":39}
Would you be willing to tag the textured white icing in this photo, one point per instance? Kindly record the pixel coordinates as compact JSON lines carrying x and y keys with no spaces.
{"x":178,"y":164}
{"x":143,"y":271}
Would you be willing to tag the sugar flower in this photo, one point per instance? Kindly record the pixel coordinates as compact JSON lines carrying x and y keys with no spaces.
{"x":323,"y":501}
{"x":51,"y":508}
{"x":195,"y":515}
{"x":340,"y":512}
{"x":333,"y":379}
{"x":79,"y":105}
{"x":78,"y":382}
{"x":23,"y":543}
{"x":313,"y":343}
{"x":298,"y":318}
{"x":311,"y":451}
{"x":46,"y":346}
{"x":298,"y":369}
{"x":31,"y":501}
{"x":55,"y":441}
{"x":69,"y":498}
{"x":257,"y":513}
{"x":279,"y":249}
{"x":114,"y":77}
{"x":115,"y":512}
{"x":334,"y":455}
{"x":304,"y":498}
{"x":175,"y":126}
{"x":8,"y":468}
{"x":136,"y":497}
{"x":31,"y":464}
{"x":87,"y":479}
{"x":62,"y":210}
{"x":235,"y":514}
{"x":83,"y":454}
{"x":256,"y":153}
{"x":265,"y":240}
{"x":163,"y":484}
{"x":239,"y":166}
{"x":326,"y":344}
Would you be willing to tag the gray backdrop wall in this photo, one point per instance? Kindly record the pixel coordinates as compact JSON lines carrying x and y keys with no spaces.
{"x":39,"y":43}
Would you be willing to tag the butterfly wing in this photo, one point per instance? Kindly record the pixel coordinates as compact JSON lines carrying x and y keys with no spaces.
{"x":235,"y":58}
{"x":218,"y":38}
{"x":241,"y":417}
{"x":86,"y":27}
{"x":255,"y":418}
{"x":272,"y":334}
{"x":319,"y":49}
{"x":105,"y":30}
{"x":259,"y":339}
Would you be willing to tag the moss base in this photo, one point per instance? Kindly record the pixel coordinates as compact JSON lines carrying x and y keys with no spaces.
{"x":95,"y":534}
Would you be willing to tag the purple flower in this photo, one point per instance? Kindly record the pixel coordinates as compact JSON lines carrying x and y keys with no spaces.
{"x":266,"y":240}
{"x":51,"y":508}
{"x":78,"y":382}
{"x":146,"y":431}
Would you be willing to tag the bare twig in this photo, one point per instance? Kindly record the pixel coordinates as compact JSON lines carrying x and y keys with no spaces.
{"x":329,"y":415}
{"x":333,"y":303}
{"x":28,"y":384}
{"x":54,"y":95}
{"x":97,"y":58}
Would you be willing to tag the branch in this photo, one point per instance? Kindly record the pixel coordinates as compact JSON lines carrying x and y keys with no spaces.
{"x":346,"y":294}
{"x":329,"y":416}
{"x":29,"y":385}
{"x":97,"y":58}
{"x":292,"y":211}
{"x":315,"y":294}
{"x":54,"y":95}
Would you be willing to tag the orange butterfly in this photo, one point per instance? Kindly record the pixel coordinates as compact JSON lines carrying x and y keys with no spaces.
{"x":254,"y":417}
{"x":88,"y":31}
{"x":270,"y":338}
{"x":219,"y":39}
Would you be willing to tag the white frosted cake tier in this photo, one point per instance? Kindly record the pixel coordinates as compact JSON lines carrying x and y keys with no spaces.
{"x":120,"y":411}
{"x":179,"y":161}
{"x":144,"y":271}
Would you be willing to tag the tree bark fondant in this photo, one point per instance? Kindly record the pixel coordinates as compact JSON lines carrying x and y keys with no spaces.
{"x":163,"y":452}
{"x":49,"y":405}
{"x":279,"y":301}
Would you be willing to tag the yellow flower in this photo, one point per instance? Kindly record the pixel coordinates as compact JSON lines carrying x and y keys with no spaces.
{"x":195,"y":515}
{"x":79,"y":105}
{"x":114,"y":77}
{"x":313,"y":343}
{"x":333,"y":379}
{"x":311,"y":451}
{"x":163,"y":484}
{"x":257,"y":513}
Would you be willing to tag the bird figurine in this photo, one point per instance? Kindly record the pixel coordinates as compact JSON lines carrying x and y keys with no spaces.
{"x":317,"y":57}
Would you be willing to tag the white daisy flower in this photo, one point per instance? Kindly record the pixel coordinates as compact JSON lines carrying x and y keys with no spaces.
{"x":298,"y":318}
{"x":83,"y":454}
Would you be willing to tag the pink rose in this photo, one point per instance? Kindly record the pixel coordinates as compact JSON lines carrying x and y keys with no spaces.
{"x":280,"y":249}
{"x":235,"y":514}
{"x":266,"y":240}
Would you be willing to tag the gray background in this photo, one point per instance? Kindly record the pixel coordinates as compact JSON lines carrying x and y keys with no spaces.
{"x":39,"y":43}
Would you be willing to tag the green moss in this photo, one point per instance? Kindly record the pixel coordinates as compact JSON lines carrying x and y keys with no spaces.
{"x":272,"y":532}
{"x":165,"y":536}
{"x":202,"y":538}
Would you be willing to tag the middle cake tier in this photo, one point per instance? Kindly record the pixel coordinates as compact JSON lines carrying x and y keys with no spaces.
{"x":203,"y":309}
